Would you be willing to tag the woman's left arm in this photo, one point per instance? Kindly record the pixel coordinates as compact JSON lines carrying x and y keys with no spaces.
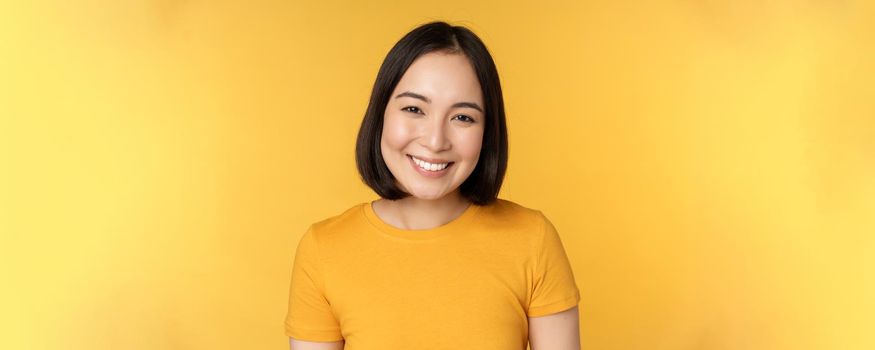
{"x":558,"y":331}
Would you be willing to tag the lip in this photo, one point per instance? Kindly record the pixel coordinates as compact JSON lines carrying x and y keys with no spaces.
{"x":431,"y":160}
{"x":429,"y":174}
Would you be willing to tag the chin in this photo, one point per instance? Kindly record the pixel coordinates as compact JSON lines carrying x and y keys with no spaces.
{"x":430,"y":196}
{"x":425,"y":195}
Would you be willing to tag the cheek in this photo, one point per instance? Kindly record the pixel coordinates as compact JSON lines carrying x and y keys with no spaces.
{"x":396,"y":135}
{"x":469,"y":145}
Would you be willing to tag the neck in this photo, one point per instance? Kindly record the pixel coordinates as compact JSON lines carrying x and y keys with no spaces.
{"x":413,"y":213}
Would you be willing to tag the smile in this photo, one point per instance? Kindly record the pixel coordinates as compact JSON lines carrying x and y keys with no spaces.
{"x":428,"y":169}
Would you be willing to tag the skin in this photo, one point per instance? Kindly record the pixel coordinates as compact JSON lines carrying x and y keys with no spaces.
{"x":559,"y":331}
{"x":440,"y":128}
{"x":432,"y":129}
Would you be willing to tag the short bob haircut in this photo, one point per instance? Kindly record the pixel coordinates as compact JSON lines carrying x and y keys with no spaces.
{"x":482,"y":186}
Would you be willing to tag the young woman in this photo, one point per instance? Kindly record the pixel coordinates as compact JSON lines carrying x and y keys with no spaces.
{"x":438,"y":262}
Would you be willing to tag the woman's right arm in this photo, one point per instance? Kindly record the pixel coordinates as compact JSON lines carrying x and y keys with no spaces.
{"x":310,"y":345}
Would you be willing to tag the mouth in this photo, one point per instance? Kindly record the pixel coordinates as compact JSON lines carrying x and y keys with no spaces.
{"x":428,"y":172}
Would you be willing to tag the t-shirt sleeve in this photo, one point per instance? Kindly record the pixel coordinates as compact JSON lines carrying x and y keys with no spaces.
{"x":555,"y":289}
{"x":309,"y":316}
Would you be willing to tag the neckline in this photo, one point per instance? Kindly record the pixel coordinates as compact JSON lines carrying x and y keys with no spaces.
{"x":423,"y":234}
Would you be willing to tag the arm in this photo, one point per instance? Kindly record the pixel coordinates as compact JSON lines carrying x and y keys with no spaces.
{"x":558,"y":331}
{"x":309,"y":345}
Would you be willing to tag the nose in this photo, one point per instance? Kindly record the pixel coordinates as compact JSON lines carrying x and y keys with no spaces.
{"x":435,"y":136}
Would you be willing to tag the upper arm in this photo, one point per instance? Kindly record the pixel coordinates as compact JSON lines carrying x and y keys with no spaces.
{"x":559,"y":331}
{"x":554,"y":288}
{"x":309,"y":314}
{"x":311,"y":345}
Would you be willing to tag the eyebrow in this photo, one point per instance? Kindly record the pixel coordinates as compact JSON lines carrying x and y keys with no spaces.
{"x":427,"y":100}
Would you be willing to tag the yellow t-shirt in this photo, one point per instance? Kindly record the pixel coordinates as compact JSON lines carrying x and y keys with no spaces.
{"x":468,"y":284}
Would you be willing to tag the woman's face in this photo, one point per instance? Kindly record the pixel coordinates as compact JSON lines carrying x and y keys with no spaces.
{"x":434,"y":114}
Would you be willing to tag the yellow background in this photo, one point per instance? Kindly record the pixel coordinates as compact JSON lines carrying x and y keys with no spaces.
{"x":710,"y":165}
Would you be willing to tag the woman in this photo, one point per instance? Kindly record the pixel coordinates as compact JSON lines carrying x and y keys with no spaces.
{"x":438,"y":262}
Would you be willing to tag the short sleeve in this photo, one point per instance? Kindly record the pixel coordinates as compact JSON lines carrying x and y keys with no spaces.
{"x":309,"y":314}
{"x":555,"y":289}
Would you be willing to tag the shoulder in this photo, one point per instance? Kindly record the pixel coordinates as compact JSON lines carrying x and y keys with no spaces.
{"x":512,"y":219}
{"x":345,"y":220}
{"x":514,"y":213}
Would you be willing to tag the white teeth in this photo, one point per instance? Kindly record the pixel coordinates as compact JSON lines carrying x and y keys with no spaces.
{"x":429,"y":166}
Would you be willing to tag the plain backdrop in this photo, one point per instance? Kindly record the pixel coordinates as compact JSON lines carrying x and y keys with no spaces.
{"x":710,"y":165}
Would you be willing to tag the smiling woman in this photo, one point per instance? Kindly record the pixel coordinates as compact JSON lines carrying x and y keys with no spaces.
{"x":439,"y":261}
{"x":436,"y":128}
{"x":437,"y":95}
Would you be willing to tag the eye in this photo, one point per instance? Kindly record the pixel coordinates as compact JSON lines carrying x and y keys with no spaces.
{"x":469,"y":120}
{"x":412,"y":109}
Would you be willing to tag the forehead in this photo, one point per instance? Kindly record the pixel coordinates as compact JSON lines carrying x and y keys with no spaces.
{"x":442,"y":77}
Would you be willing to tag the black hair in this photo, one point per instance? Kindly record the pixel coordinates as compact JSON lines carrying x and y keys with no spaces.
{"x":484,"y":183}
